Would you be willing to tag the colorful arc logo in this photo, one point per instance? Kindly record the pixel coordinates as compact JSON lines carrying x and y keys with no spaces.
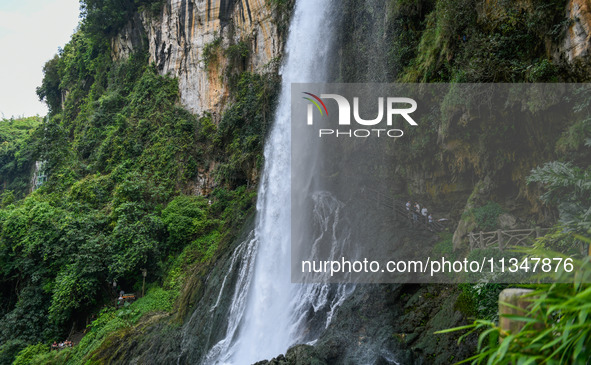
{"x":315,"y":103}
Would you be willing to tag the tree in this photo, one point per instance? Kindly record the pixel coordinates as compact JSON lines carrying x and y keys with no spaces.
{"x":50,"y":91}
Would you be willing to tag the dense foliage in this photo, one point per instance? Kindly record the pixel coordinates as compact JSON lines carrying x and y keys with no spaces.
{"x":106,"y":17}
{"x":569,"y":187}
{"x":487,"y":215}
{"x":556,"y":328}
{"x":475,"y":41}
{"x":18,"y":145}
{"x":124,"y":161}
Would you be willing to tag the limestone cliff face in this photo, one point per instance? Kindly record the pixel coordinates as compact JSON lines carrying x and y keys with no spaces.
{"x":576,"y":41}
{"x":178,"y":37}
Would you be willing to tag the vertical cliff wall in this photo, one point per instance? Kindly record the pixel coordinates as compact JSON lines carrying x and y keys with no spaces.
{"x":187,"y":32}
{"x":576,"y":41}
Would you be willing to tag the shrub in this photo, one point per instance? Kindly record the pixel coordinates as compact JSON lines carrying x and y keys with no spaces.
{"x":556,"y":328}
{"x":19,"y":140}
{"x":487,"y":215}
{"x":155,"y":300}
{"x":185,"y":218}
{"x":10,"y":349}
{"x":211,"y":52}
{"x":481,"y":300}
{"x":444,"y":247}
{"x":26,"y":355}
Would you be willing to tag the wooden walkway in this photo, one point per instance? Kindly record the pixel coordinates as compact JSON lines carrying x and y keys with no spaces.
{"x":398,"y":208}
{"x":503,"y":239}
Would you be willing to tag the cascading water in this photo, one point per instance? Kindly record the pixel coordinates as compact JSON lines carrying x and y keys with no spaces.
{"x":268,"y":313}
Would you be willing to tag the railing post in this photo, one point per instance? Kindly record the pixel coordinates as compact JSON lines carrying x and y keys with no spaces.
{"x":471,"y":238}
{"x":509,"y":300}
{"x":500,"y":238}
{"x":481,"y":240}
{"x":538,"y":232}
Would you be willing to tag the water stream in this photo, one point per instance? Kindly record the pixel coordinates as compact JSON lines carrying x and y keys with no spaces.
{"x":268,"y":313}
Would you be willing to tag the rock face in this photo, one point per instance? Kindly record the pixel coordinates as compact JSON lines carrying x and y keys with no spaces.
{"x":507,"y":221}
{"x":479,"y":196}
{"x":576,"y":42}
{"x":204,"y":43}
{"x":179,"y":37}
{"x":389,"y":324}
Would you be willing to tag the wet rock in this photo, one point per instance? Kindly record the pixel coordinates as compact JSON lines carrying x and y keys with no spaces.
{"x":389,"y":324}
{"x":299,"y":354}
{"x":507,"y":221}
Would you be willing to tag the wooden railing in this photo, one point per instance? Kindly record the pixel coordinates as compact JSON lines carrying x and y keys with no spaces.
{"x":502,"y":239}
{"x":398,"y":208}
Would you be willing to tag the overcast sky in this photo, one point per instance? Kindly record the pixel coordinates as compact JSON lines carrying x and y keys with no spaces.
{"x":30,"y":33}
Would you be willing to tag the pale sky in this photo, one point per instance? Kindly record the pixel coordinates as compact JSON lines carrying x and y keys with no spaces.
{"x":30,"y":33}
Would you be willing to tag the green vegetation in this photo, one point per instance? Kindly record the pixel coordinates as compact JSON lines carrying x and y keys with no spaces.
{"x":108,"y":322}
{"x":105,"y":18}
{"x":486,"y":216}
{"x":444,"y":247}
{"x":211,"y":52}
{"x":244,"y":126}
{"x":556,"y":328}
{"x":472,"y":41}
{"x":480,"y":300}
{"x":18,"y":147}
{"x":26,"y":356}
{"x":569,"y":187}
{"x":123,"y":160}
{"x":277,"y":2}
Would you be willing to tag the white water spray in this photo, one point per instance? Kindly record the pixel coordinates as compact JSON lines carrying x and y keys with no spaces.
{"x":274,"y":312}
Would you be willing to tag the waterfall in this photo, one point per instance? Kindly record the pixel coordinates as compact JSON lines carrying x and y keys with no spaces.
{"x":268,"y":313}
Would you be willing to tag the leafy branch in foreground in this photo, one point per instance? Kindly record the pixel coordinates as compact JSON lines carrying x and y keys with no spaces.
{"x":569,"y":188}
{"x":556,"y":330}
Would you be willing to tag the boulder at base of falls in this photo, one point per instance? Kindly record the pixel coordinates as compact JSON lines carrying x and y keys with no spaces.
{"x":390,"y":324}
{"x":299,"y":354}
